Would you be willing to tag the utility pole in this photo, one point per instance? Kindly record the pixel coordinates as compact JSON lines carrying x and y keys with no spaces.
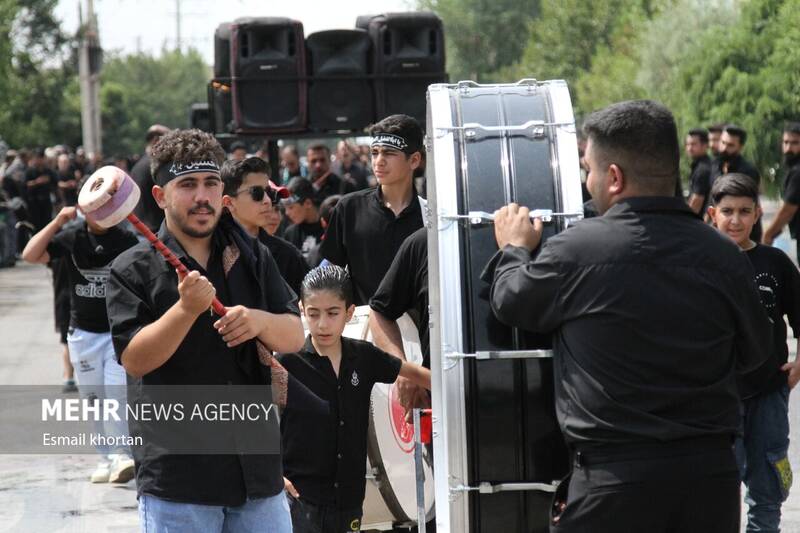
{"x":90,"y":58}
{"x":178,"y":25}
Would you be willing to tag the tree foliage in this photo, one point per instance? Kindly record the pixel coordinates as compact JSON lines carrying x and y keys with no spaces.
{"x":482,"y":36}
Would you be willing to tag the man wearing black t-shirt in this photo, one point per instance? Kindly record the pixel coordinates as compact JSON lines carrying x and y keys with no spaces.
{"x":368,"y":227}
{"x":164,"y":335}
{"x":302,"y":210}
{"x":788,"y":211}
{"x":730,"y":161}
{"x":325,"y":182}
{"x":696,"y":146}
{"x":67,"y":182}
{"x":86,"y":251}
{"x":39,"y":182}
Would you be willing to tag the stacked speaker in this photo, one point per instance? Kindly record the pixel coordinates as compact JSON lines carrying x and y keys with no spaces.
{"x":269,"y":80}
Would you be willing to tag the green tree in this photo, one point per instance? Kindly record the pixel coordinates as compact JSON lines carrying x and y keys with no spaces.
{"x":481,"y":35}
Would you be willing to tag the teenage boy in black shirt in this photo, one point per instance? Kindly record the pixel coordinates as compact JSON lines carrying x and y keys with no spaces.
{"x":368,"y":226}
{"x":249,"y":195}
{"x":325,"y":456}
{"x":164,"y":334}
{"x":762,"y":448}
{"x":302,"y":208}
{"x":86,"y":251}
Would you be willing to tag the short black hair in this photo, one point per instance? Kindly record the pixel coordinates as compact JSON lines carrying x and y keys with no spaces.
{"x":328,"y":278}
{"x":737,"y":131}
{"x":792,"y":127}
{"x":185,"y":146}
{"x":301,"y":189}
{"x":326,"y":208}
{"x":640,"y":136}
{"x":719,"y":127}
{"x":233,"y":173}
{"x":700,"y":133}
{"x":403,"y":126}
{"x":316,"y":147}
{"x":734,"y":184}
{"x":238,"y":145}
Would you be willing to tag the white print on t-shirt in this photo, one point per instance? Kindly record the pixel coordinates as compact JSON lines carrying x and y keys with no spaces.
{"x":767,"y":288}
{"x":96,"y":288}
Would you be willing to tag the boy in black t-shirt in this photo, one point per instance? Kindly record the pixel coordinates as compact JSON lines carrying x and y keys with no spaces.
{"x":324,"y":456}
{"x":762,"y":448}
{"x":301,"y":208}
{"x":87,"y":250}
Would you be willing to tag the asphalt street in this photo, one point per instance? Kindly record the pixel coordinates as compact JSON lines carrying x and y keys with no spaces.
{"x":52,"y":492}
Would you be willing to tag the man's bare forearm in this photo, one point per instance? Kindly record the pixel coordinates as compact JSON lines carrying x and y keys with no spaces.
{"x":785,"y":213}
{"x":386,"y":334}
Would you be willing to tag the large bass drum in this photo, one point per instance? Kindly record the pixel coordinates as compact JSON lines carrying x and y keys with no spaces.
{"x":499,"y":452}
{"x":390,"y":498}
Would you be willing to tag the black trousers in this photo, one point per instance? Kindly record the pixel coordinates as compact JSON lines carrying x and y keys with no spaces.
{"x":308,"y":517}
{"x":671,"y":491}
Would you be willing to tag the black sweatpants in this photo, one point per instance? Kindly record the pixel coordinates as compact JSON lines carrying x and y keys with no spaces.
{"x":672,"y":491}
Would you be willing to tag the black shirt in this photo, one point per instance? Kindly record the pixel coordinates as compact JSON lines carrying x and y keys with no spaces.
{"x":700,"y":179}
{"x":68,"y":194}
{"x":40,"y":194}
{"x":791,"y":195}
{"x":356,"y":172}
{"x":305,"y":236}
{"x":652,"y":313}
{"x":87,"y":258}
{"x":142,"y":287}
{"x":292,"y":266}
{"x":147,"y":209}
{"x":325,"y":456}
{"x":364,"y":235}
{"x":333,"y":184}
{"x":778,"y":283}
{"x":405,"y":288}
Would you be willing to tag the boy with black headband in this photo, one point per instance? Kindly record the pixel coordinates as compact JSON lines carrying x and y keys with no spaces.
{"x":164,"y":334}
{"x":249,"y":195}
{"x":367,"y":227}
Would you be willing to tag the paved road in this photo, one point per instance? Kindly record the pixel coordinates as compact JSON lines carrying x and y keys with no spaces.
{"x":50,"y":493}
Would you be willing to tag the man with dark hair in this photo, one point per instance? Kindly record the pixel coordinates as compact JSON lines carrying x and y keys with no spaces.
{"x":714,"y":134}
{"x":291,"y":167}
{"x":248,"y":196}
{"x":40,"y":181}
{"x":368,"y":227}
{"x":730,"y":160}
{"x":302,"y":210}
{"x":696,"y":146}
{"x":147,"y":209}
{"x":238,"y":151}
{"x":163,"y":334}
{"x":788,"y":211}
{"x":652,"y":314}
{"x":325,"y":182}
{"x":348,"y":167}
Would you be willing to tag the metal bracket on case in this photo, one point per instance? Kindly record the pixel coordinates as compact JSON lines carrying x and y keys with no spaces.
{"x":501,"y":354}
{"x":488,"y":488}
{"x":477,"y":218}
{"x":534,"y":129}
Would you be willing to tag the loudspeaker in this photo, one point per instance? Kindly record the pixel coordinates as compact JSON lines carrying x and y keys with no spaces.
{"x":222,"y":51}
{"x":409,"y":56}
{"x":340,"y":93}
{"x":200,"y":117}
{"x":268,"y":71}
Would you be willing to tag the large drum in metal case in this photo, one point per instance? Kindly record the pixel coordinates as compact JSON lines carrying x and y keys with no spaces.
{"x":499,"y":451}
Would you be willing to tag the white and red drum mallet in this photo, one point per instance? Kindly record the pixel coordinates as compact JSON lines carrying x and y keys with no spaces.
{"x":109,"y":196}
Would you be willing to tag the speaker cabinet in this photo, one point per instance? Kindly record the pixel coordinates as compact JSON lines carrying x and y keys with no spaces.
{"x":268,"y":71}
{"x":340,"y":95}
{"x":409,"y":56}
{"x":200,"y":117}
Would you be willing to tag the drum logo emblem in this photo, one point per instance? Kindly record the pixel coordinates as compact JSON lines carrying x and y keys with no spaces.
{"x":402,"y":431}
{"x":354,"y":380}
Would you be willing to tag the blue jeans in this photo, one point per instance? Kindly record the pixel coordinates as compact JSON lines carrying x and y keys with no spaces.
{"x":762,"y":456}
{"x":267,"y":515}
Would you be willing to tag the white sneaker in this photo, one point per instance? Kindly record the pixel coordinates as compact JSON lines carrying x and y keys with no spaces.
{"x":121,"y":470}
{"x":101,"y":473}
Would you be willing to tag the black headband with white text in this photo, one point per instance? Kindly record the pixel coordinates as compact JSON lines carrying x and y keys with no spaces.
{"x":169,"y":172}
{"x":389,"y":140}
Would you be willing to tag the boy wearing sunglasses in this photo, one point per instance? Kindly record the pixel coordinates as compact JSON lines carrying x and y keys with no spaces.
{"x":249,"y":195}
